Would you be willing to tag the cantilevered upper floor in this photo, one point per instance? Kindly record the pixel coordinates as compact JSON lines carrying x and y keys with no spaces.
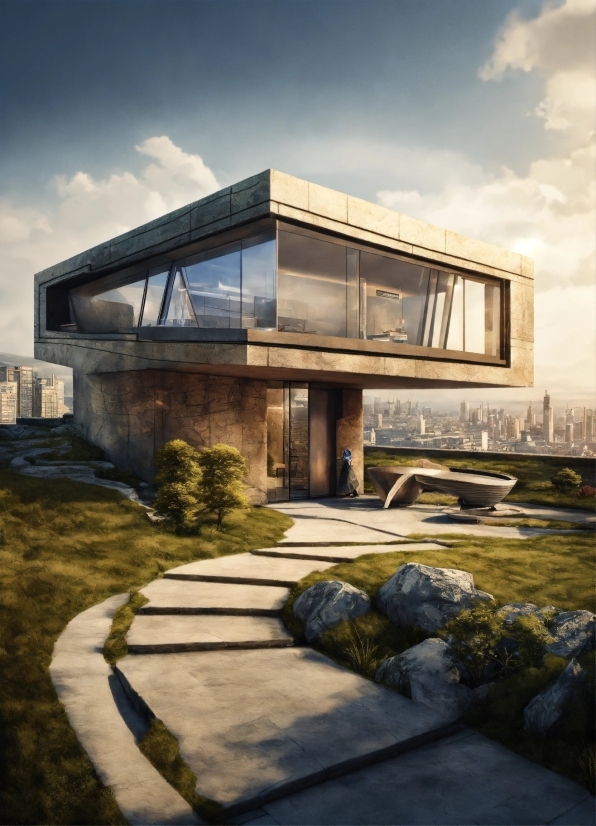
{"x":281,"y":279}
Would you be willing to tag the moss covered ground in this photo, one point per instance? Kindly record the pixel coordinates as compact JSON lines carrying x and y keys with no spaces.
{"x":64,"y":547}
{"x":532,"y":472}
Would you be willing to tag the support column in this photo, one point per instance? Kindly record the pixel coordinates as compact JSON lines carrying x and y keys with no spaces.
{"x":349,"y":432}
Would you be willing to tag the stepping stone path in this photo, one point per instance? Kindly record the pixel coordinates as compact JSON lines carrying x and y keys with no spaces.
{"x":278,"y":733}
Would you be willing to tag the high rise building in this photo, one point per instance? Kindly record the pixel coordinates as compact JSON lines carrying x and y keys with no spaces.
{"x":484,"y":440}
{"x":379,"y":420}
{"x":427,"y":412}
{"x":589,"y":426}
{"x":464,"y":412}
{"x":45,"y":399}
{"x":408,"y":408}
{"x":569,"y":432}
{"x":569,"y":415}
{"x":548,"y":422}
{"x":23,"y":376}
{"x":421,"y":426}
{"x":398,"y":408}
{"x":530,"y":416}
{"x":8,"y":402}
{"x":378,"y":406}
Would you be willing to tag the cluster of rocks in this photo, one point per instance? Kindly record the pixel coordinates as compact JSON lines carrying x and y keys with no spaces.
{"x":427,"y":597}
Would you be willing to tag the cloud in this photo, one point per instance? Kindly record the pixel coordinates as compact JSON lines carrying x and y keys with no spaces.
{"x":548,"y":214}
{"x":85,"y":212}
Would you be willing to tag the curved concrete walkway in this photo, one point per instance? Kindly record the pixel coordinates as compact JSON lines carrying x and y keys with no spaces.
{"x":279,"y":734}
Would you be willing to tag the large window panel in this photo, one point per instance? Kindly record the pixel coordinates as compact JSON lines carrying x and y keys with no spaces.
{"x":474,"y":316}
{"x":108,"y":305}
{"x":180,"y":311}
{"x":455,"y":331}
{"x":214,"y":283}
{"x":312,"y":287}
{"x":156,"y":284}
{"x":259,"y":266}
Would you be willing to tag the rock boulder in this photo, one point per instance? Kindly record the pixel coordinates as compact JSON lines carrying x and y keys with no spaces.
{"x":325,"y":604}
{"x":428,"y":597}
{"x":547,"y":708}
{"x":573,"y":633}
{"x":513,"y":610}
{"x":427,"y":674}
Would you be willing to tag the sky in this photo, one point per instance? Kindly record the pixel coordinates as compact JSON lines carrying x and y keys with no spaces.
{"x":475,"y":116}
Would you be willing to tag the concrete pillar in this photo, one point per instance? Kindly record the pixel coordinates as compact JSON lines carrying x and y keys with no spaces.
{"x":349,"y":432}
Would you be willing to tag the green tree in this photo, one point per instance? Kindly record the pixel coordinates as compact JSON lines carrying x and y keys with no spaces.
{"x":566,"y":480}
{"x":177,"y":479}
{"x":221,"y":489}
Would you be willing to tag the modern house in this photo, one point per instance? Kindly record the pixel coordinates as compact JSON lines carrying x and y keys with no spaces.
{"x":257,"y":315}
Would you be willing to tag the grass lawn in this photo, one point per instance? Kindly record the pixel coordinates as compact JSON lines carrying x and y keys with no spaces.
{"x":546,"y":570}
{"x":532,"y":472}
{"x":64,"y":547}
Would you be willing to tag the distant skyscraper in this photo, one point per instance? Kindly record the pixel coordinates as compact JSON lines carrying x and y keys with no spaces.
{"x":408,"y":406}
{"x":427,"y":412}
{"x":484,"y":440}
{"x":45,"y":399}
{"x":379,"y":420}
{"x":464,"y":414}
{"x":398,"y":408}
{"x":378,"y":406}
{"x":8,"y":402}
{"x":569,"y":433}
{"x":530,"y":416}
{"x":548,"y":422}
{"x":589,"y":427}
{"x":421,"y":426}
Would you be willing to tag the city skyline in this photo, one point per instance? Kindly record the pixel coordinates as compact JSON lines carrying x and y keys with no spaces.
{"x":490,"y":134}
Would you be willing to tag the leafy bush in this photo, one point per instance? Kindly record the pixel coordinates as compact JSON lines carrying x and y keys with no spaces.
{"x":177,"y":479}
{"x":566,"y":480}
{"x":587,"y":492}
{"x":488,"y":649}
{"x":221,"y":489}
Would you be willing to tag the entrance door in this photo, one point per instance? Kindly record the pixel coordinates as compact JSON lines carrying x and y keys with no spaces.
{"x":324,"y":410}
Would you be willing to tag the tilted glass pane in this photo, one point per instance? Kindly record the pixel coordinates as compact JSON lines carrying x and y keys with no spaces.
{"x":214,"y":282}
{"x":474,"y":316}
{"x":311,"y":292}
{"x":108,"y":305}
{"x":258,"y":282}
{"x":156,"y":284}
{"x":455,"y":331}
{"x":180,"y":312}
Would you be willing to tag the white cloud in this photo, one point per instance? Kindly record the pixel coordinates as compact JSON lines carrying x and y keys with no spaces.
{"x":87,"y":211}
{"x":548,"y":214}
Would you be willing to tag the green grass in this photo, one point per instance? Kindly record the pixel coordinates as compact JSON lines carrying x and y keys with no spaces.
{"x":545,"y":570}
{"x":161,"y":748}
{"x":532,"y":472}
{"x":63,"y":548}
{"x":115,"y":646}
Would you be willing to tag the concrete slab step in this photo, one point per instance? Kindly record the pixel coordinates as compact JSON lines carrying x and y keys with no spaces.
{"x":343,"y":553}
{"x":247,"y":568}
{"x":168,"y":634}
{"x":315,"y":531}
{"x":257,"y":725}
{"x":174,"y":596}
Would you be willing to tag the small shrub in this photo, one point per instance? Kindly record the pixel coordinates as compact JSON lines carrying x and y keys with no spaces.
{"x":177,"y":479}
{"x":587,"y":492}
{"x":220,"y":489}
{"x":566,"y":480}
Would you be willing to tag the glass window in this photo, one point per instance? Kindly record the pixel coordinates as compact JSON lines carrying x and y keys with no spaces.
{"x":258,"y":282}
{"x":455,"y":330}
{"x":112,"y":310}
{"x":474,"y":316}
{"x":156,"y":284}
{"x":312,"y":287}
{"x":214,"y":282}
{"x":278,"y":485}
{"x":180,"y":311}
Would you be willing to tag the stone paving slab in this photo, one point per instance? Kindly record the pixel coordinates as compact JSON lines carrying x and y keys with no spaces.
{"x":175,"y":596}
{"x":464,"y":779}
{"x":183,"y":632}
{"x":342,"y":520}
{"x":248,"y":568}
{"x":258,"y":724}
{"x":344,"y":553}
{"x":81,"y":678}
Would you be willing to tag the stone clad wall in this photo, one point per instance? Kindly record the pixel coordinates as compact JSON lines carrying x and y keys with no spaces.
{"x":349,"y":432}
{"x":131,"y":414}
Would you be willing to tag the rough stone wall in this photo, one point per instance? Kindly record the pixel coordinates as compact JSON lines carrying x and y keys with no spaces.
{"x":349,"y":431}
{"x":132,"y":414}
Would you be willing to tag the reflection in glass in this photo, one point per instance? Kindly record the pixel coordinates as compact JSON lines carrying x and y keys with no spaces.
{"x":214,"y":283}
{"x":299,"y":482}
{"x":492,"y":297}
{"x":277,"y":443}
{"x":455,"y":333}
{"x":180,"y":312}
{"x":114,"y":310}
{"x":258,"y":282}
{"x":474,"y":317}
{"x":312,"y":288}
{"x":156,"y":284}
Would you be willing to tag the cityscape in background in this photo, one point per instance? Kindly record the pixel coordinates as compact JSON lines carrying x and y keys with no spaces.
{"x":25,"y":395}
{"x":543,"y":429}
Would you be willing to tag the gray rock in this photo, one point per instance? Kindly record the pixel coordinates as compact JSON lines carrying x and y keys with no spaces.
{"x":428,"y":597}
{"x":427,"y":674}
{"x":573,"y":633}
{"x":325,"y":604}
{"x":547,"y":708}
{"x":513,"y":610}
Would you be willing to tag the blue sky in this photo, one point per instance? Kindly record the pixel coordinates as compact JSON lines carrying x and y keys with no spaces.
{"x":473,"y":115}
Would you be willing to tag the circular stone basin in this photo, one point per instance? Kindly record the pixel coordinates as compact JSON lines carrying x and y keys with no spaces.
{"x":483,"y":514}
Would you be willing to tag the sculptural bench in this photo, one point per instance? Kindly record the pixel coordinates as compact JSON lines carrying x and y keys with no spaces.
{"x":402,"y":485}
